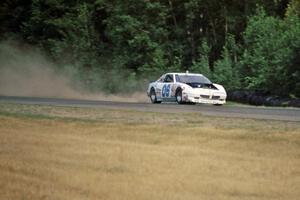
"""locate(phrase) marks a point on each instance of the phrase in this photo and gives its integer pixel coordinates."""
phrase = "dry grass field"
(88, 153)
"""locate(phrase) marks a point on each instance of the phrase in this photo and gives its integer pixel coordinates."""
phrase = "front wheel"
(178, 96)
(153, 97)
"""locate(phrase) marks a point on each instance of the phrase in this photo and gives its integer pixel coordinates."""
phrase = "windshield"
(192, 79)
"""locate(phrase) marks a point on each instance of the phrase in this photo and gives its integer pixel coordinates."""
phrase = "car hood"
(202, 85)
(214, 89)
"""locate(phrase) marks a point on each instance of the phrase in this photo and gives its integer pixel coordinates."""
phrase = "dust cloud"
(24, 71)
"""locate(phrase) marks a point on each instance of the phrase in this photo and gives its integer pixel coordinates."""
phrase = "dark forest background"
(118, 45)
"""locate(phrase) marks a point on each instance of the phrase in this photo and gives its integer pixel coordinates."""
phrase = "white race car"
(186, 88)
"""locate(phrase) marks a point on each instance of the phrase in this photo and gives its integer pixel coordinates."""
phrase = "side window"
(168, 79)
(177, 78)
(161, 79)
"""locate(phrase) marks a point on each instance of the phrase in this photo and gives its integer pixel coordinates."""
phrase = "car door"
(167, 86)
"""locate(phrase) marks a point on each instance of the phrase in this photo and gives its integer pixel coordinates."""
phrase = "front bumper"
(213, 99)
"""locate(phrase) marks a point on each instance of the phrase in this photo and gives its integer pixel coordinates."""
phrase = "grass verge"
(82, 153)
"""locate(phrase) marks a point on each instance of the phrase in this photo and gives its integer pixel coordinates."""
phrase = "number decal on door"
(166, 90)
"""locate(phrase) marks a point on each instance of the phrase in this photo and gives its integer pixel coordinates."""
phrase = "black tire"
(191, 103)
(178, 96)
(153, 97)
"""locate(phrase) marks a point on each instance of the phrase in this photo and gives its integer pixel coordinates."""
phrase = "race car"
(186, 88)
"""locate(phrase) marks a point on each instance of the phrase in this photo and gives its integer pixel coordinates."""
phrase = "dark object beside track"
(259, 98)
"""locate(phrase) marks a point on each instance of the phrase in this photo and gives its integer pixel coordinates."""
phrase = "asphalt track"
(283, 114)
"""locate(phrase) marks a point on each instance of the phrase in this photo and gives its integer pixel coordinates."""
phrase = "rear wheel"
(153, 97)
(178, 96)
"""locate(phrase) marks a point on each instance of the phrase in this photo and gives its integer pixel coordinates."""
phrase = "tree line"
(238, 43)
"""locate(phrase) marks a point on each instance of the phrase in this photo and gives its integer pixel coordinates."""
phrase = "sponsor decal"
(173, 90)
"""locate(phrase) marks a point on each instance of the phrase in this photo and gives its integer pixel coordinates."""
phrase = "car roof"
(187, 74)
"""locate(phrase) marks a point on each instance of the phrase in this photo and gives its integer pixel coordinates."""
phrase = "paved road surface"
(285, 114)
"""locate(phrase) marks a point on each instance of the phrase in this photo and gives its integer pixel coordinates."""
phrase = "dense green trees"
(271, 54)
(241, 44)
